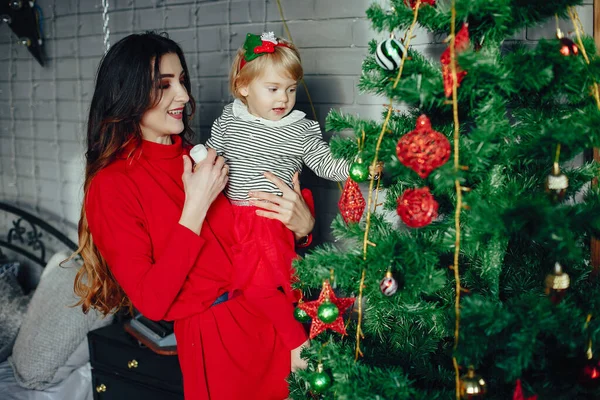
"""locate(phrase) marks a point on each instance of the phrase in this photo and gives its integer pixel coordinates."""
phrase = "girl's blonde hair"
(284, 57)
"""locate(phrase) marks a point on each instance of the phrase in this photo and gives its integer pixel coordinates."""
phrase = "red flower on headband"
(266, 47)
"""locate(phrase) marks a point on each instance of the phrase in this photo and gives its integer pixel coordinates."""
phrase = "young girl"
(260, 131)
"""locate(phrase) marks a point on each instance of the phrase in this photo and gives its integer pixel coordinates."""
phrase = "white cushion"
(50, 343)
(13, 305)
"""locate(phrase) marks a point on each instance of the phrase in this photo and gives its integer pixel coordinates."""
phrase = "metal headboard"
(26, 236)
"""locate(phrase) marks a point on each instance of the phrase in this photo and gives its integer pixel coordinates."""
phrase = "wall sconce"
(25, 20)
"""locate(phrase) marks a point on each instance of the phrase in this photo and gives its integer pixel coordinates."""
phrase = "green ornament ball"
(301, 315)
(359, 171)
(328, 312)
(320, 382)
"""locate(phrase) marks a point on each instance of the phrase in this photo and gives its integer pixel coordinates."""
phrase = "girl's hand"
(202, 186)
(297, 361)
(290, 209)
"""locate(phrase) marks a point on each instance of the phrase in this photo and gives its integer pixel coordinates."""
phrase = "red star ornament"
(460, 44)
(317, 326)
(518, 394)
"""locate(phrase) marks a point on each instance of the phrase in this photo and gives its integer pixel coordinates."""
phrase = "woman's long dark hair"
(127, 85)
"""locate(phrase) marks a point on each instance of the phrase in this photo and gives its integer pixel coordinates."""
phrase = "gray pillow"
(13, 305)
(45, 349)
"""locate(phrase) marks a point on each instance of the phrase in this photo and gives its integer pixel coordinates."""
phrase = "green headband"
(256, 46)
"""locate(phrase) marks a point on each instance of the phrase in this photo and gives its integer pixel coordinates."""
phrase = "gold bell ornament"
(557, 284)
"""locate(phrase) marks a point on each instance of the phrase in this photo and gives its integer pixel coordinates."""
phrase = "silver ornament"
(388, 285)
(389, 54)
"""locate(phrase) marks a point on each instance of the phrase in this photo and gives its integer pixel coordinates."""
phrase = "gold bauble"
(557, 184)
(557, 284)
(472, 386)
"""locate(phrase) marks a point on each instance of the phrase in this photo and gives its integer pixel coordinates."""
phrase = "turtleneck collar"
(240, 110)
(153, 150)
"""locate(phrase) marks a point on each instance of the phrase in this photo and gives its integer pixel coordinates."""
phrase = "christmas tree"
(488, 289)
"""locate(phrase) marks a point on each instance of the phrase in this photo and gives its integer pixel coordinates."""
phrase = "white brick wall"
(43, 110)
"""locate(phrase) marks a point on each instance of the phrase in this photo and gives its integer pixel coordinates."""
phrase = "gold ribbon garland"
(579, 32)
(589, 352)
(366, 242)
(458, 188)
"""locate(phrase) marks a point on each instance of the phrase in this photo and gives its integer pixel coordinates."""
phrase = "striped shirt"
(253, 145)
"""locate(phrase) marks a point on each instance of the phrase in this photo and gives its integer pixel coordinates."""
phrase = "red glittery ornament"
(311, 307)
(352, 203)
(413, 3)
(417, 207)
(461, 43)
(518, 394)
(568, 47)
(423, 149)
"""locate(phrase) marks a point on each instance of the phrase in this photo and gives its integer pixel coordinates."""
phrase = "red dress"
(266, 248)
(227, 352)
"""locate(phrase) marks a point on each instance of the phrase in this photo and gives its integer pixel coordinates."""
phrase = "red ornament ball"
(568, 47)
(423, 149)
(412, 3)
(417, 207)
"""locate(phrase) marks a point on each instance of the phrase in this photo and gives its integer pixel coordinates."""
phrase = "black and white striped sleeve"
(216, 137)
(317, 156)
(219, 130)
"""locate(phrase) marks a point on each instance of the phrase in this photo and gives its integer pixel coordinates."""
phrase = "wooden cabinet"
(124, 369)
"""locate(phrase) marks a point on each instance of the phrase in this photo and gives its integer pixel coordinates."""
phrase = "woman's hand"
(290, 209)
(202, 185)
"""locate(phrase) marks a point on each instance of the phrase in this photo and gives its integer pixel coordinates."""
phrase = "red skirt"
(265, 251)
(263, 270)
(240, 349)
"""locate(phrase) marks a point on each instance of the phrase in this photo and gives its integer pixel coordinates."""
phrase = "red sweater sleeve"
(118, 227)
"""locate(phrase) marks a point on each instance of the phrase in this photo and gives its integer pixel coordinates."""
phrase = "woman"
(156, 234)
